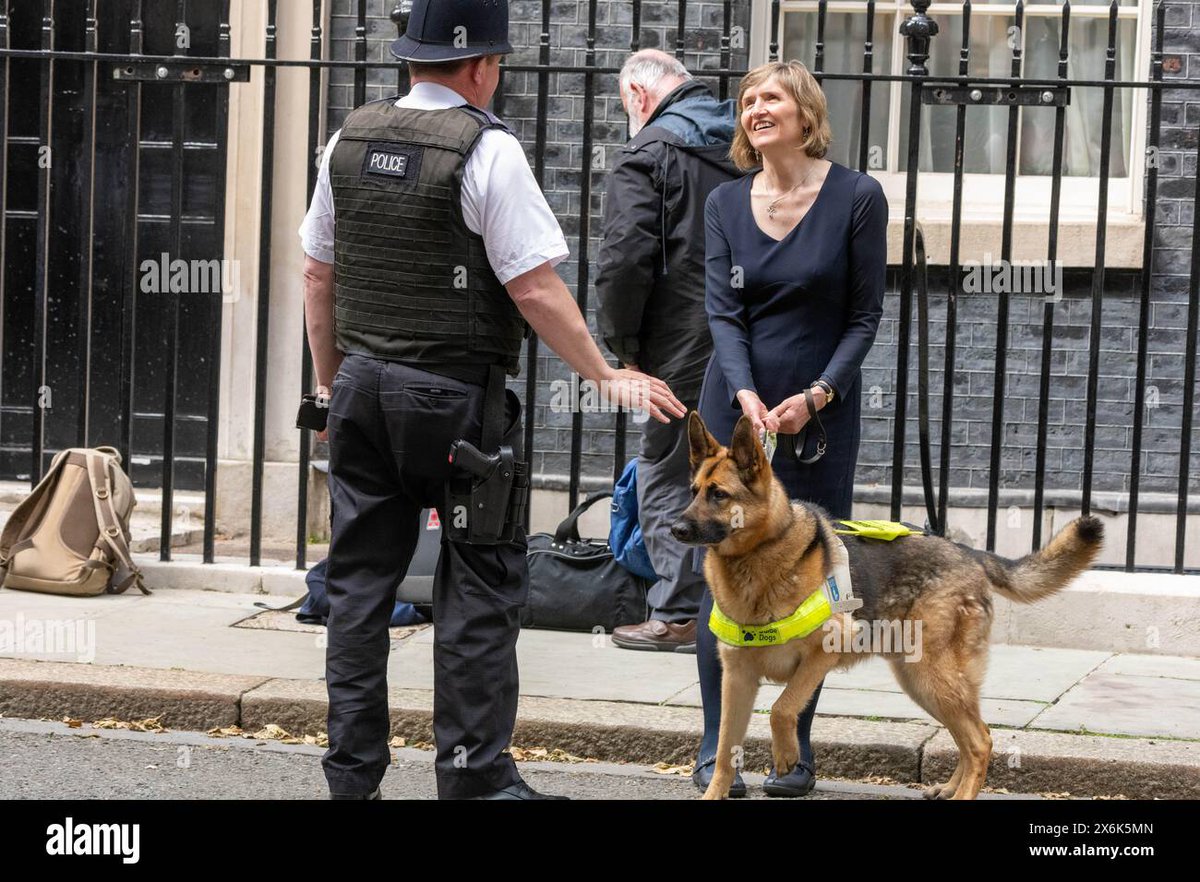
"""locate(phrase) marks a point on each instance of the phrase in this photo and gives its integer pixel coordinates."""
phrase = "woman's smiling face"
(771, 116)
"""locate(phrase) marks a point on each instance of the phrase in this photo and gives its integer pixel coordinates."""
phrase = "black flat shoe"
(520, 790)
(798, 782)
(702, 777)
(374, 794)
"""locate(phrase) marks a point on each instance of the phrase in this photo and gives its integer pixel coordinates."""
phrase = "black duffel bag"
(576, 584)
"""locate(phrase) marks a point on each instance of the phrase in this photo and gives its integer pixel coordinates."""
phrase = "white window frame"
(983, 194)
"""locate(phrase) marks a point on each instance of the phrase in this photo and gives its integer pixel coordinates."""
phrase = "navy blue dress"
(808, 308)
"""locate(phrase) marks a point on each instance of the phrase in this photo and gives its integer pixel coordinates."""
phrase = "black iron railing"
(121, 63)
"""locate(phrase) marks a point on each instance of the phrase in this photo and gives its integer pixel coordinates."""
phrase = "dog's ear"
(702, 445)
(747, 452)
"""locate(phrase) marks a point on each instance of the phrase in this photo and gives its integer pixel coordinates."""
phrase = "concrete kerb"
(1023, 761)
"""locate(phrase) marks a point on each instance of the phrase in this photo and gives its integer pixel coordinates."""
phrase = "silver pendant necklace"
(773, 206)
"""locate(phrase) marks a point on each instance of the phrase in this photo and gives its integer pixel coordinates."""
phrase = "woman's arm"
(726, 310)
(868, 270)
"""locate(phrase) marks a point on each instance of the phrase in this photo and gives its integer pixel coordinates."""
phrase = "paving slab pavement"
(208, 658)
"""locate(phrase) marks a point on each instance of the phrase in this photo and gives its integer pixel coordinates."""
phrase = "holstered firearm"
(488, 496)
(486, 508)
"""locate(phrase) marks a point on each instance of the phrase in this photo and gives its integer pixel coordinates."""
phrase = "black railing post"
(1150, 212)
(1060, 115)
(263, 294)
(1002, 304)
(171, 350)
(918, 29)
(1093, 383)
(315, 102)
(216, 311)
(585, 230)
(4, 70)
(41, 292)
(955, 283)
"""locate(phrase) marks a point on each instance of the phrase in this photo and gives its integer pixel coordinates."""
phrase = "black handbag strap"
(568, 530)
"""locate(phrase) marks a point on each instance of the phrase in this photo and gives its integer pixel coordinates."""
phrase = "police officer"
(416, 305)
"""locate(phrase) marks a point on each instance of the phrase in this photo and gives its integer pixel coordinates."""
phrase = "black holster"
(488, 493)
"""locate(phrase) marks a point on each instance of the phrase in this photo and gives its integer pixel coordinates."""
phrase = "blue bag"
(625, 533)
(315, 610)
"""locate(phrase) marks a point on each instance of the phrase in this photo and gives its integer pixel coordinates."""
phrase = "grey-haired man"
(650, 287)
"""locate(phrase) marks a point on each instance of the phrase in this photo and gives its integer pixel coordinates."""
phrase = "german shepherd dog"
(766, 554)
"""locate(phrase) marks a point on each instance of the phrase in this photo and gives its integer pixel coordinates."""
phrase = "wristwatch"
(826, 388)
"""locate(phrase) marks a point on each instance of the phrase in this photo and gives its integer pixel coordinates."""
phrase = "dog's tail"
(1050, 569)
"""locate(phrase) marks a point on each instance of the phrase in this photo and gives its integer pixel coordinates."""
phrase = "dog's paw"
(939, 791)
(785, 758)
(712, 793)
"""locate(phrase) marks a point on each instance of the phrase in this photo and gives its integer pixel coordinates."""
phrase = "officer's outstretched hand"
(638, 391)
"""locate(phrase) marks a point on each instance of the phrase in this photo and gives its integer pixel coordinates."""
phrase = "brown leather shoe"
(657, 636)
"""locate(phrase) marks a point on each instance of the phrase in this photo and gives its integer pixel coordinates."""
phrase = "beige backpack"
(70, 535)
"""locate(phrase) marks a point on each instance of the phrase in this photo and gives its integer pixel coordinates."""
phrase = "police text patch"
(381, 162)
(392, 160)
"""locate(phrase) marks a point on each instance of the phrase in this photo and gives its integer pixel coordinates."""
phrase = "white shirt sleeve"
(502, 202)
(316, 232)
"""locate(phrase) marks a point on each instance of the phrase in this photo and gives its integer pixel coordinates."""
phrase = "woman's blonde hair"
(797, 82)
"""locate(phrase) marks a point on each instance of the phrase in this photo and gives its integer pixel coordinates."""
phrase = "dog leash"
(792, 445)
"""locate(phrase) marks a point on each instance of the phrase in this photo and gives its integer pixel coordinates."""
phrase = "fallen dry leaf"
(668, 769)
(543, 755)
(226, 732)
(74, 724)
(153, 724)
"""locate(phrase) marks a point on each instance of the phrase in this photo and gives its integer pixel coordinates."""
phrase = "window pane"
(845, 34)
(1085, 113)
(986, 131)
(1058, 3)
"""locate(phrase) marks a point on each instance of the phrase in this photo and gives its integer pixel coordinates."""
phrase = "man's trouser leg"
(663, 494)
(374, 534)
(478, 590)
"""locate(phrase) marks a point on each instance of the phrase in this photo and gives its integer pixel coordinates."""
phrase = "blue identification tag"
(838, 588)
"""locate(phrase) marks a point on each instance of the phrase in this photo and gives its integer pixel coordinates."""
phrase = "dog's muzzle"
(685, 531)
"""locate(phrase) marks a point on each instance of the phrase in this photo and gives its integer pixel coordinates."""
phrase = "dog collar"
(809, 616)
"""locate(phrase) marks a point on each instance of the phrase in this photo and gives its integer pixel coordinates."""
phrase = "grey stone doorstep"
(1023, 761)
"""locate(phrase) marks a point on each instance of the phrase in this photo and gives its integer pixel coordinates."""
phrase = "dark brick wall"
(974, 392)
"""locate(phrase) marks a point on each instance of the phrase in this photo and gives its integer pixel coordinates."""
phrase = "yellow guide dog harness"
(834, 595)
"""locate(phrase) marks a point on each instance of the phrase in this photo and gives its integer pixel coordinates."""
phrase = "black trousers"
(390, 430)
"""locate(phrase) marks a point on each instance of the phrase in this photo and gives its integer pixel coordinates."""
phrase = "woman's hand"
(753, 408)
(791, 414)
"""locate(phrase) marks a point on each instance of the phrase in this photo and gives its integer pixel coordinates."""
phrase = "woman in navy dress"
(796, 259)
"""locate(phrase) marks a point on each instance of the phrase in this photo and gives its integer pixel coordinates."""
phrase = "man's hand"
(323, 393)
(638, 391)
(791, 414)
(547, 305)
